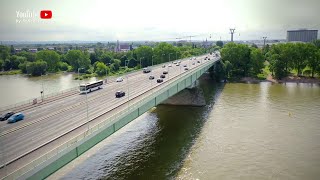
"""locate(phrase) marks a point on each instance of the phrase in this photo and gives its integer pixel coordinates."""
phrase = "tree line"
(302, 58)
(101, 62)
(240, 60)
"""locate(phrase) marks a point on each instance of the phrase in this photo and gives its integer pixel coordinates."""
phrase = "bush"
(63, 66)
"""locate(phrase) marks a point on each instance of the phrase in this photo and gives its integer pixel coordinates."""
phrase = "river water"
(19, 88)
(246, 131)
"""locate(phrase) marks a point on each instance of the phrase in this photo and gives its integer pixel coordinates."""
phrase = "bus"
(88, 87)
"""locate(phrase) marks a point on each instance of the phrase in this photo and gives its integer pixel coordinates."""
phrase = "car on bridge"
(4, 117)
(163, 66)
(165, 72)
(16, 117)
(159, 80)
(186, 69)
(162, 76)
(198, 61)
(193, 63)
(146, 70)
(178, 64)
(169, 65)
(119, 79)
(120, 94)
(185, 65)
(151, 77)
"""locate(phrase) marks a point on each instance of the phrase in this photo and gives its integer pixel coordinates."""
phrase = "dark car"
(165, 72)
(162, 76)
(185, 65)
(151, 77)
(186, 69)
(198, 61)
(120, 94)
(159, 80)
(6, 116)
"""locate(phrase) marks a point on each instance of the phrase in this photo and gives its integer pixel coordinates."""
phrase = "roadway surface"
(54, 119)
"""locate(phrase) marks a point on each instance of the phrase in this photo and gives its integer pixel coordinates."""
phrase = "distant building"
(91, 50)
(302, 35)
(122, 47)
(206, 44)
(33, 50)
(17, 50)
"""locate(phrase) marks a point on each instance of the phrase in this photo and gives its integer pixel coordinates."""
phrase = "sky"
(155, 20)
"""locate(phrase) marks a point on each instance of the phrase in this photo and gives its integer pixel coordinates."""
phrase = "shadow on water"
(161, 154)
(153, 147)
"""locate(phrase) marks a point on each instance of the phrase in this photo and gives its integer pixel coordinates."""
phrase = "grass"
(12, 72)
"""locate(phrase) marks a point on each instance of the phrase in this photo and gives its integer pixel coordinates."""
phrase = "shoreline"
(288, 79)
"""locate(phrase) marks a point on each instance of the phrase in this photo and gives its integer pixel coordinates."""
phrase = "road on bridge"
(63, 117)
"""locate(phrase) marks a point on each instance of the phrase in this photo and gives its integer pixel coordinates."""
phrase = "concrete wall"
(55, 163)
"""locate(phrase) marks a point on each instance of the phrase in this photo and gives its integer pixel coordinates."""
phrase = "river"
(20, 88)
(246, 131)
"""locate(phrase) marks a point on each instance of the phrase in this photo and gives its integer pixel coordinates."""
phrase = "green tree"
(115, 65)
(31, 57)
(256, 61)
(16, 60)
(63, 66)
(7, 65)
(313, 58)
(51, 57)
(144, 53)
(77, 59)
(23, 67)
(101, 69)
(36, 68)
(239, 56)
(132, 63)
(219, 43)
(106, 58)
(228, 67)
(1, 64)
(4, 52)
(300, 61)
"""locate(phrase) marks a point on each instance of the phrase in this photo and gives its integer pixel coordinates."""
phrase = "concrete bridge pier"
(191, 96)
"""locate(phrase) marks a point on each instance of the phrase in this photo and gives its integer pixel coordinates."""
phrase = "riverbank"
(289, 79)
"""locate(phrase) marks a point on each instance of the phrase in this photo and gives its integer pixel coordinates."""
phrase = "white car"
(169, 65)
(179, 61)
(163, 66)
(119, 79)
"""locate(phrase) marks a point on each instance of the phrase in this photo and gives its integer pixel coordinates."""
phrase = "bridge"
(63, 127)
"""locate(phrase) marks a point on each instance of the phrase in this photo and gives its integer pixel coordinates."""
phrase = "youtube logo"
(45, 14)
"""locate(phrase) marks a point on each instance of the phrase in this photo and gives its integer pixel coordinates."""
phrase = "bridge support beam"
(191, 96)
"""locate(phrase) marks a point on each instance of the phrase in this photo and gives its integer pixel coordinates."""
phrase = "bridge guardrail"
(95, 129)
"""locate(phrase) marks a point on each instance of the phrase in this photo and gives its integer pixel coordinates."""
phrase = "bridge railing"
(75, 141)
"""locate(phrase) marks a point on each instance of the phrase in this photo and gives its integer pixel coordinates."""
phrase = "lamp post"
(128, 90)
(151, 71)
(86, 98)
(140, 62)
(168, 65)
(42, 92)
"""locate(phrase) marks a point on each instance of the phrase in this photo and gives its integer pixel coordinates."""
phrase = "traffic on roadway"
(41, 124)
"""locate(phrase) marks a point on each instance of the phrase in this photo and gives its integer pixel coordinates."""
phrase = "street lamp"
(79, 75)
(86, 98)
(168, 65)
(42, 92)
(140, 62)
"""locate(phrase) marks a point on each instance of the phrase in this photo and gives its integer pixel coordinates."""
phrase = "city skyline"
(141, 20)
